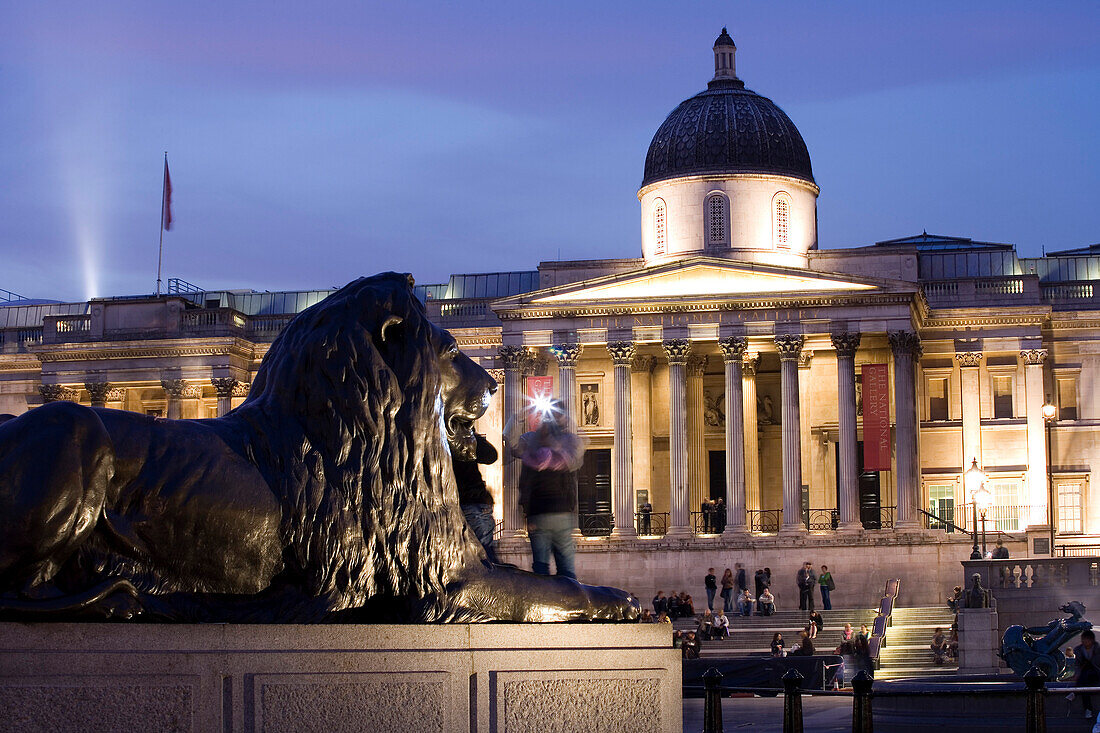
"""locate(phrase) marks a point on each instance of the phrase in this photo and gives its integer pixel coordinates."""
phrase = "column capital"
(566, 354)
(622, 352)
(174, 387)
(57, 393)
(905, 343)
(804, 358)
(789, 346)
(98, 390)
(1033, 357)
(497, 375)
(116, 394)
(733, 348)
(969, 358)
(846, 343)
(224, 386)
(643, 363)
(677, 351)
(696, 365)
(513, 356)
(749, 364)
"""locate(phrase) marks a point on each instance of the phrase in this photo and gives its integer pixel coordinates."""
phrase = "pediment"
(706, 279)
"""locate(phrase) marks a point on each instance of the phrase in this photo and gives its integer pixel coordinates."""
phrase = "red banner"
(876, 417)
(539, 391)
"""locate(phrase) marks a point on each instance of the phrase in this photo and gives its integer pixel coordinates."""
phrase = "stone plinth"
(490, 677)
(979, 641)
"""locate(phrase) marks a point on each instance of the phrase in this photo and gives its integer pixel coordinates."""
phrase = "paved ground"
(765, 714)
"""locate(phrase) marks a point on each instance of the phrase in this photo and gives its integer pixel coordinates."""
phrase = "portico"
(723, 347)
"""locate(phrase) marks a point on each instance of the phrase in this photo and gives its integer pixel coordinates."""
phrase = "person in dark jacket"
(473, 495)
(550, 455)
(1087, 656)
(742, 581)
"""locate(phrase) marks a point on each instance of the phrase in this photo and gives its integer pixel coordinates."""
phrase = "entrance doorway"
(870, 495)
(594, 493)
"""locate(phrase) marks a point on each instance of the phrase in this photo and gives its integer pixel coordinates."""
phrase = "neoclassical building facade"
(745, 396)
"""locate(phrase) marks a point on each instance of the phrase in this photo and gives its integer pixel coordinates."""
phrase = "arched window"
(781, 217)
(717, 220)
(660, 228)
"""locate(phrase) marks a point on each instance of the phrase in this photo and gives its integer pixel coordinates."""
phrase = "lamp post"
(973, 481)
(1050, 416)
(983, 500)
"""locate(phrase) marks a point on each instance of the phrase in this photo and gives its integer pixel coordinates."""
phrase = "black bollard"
(712, 702)
(1036, 720)
(862, 720)
(792, 701)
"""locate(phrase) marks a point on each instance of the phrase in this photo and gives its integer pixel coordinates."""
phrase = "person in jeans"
(710, 582)
(550, 455)
(473, 495)
(825, 581)
(766, 603)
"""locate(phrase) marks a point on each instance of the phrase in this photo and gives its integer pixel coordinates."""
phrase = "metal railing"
(821, 520)
(884, 520)
(651, 524)
(1078, 550)
(176, 286)
(764, 520)
(7, 296)
(596, 524)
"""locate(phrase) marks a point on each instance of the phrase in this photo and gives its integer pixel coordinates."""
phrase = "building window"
(782, 218)
(660, 230)
(1006, 514)
(937, 399)
(941, 505)
(1067, 398)
(717, 221)
(1069, 507)
(1002, 397)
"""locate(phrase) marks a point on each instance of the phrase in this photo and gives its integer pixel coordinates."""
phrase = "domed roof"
(727, 129)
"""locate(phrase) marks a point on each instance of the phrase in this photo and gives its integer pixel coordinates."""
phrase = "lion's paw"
(612, 604)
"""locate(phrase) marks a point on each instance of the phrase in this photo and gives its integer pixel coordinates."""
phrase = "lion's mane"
(347, 426)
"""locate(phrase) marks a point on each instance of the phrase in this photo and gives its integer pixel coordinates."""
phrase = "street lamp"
(1050, 416)
(973, 482)
(982, 501)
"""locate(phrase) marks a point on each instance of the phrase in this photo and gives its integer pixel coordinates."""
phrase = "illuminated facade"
(733, 359)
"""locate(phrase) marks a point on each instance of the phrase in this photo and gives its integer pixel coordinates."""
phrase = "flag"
(166, 205)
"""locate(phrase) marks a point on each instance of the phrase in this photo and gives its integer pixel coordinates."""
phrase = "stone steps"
(907, 652)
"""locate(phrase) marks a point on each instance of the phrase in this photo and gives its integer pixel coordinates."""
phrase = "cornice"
(19, 363)
(98, 351)
(713, 177)
(957, 317)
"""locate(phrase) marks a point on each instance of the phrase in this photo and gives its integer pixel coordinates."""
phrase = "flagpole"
(160, 248)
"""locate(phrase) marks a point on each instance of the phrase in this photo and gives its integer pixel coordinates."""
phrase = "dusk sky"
(311, 143)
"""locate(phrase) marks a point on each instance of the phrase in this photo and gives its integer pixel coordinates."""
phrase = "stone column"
(641, 379)
(848, 479)
(513, 358)
(678, 351)
(907, 349)
(174, 389)
(98, 392)
(789, 347)
(622, 453)
(224, 386)
(969, 361)
(697, 454)
(753, 500)
(567, 355)
(733, 353)
(1037, 489)
(805, 418)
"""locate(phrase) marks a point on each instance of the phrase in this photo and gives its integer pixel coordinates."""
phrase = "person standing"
(806, 580)
(727, 591)
(825, 580)
(710, 582)
(660, 603)
(473, 495)
(742, 582)
(550, 455)
(1001, 553)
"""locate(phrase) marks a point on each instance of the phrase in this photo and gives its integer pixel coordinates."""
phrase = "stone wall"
(928, 564)
(455, 677)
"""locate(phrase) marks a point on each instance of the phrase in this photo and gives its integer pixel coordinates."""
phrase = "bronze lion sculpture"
(327, 496)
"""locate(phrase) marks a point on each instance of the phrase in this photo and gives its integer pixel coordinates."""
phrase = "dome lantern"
(724, 57)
